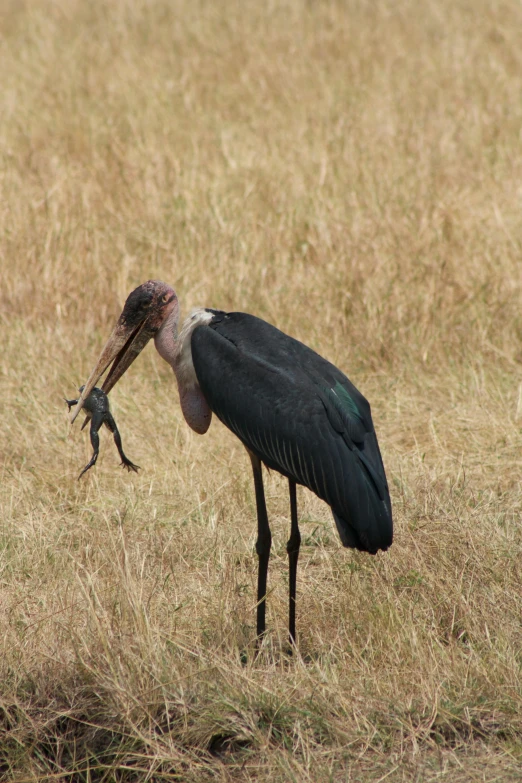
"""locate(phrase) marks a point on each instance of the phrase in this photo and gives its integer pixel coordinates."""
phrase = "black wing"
(301, 416)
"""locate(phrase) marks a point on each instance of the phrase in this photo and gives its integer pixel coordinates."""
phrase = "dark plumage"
(299, 415)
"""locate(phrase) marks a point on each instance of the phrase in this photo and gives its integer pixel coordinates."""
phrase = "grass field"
(350, 171)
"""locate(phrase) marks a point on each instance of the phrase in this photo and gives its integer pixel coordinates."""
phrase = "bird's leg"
(263, 544)
(292, 547)
(96, 422)
(125, 461)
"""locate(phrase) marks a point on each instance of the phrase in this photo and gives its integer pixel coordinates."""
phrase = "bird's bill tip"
(112, 348)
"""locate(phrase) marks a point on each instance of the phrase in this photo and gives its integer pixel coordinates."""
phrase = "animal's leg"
(263, 544)
(71, 404)
(96, 422)
(125, 461)
(292, 547)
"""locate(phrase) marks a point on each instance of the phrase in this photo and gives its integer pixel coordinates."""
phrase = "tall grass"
(351, 172)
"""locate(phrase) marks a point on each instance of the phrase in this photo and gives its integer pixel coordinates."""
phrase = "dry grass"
(351, 172)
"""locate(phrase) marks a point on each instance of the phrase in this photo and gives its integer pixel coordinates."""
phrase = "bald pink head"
(147, 311)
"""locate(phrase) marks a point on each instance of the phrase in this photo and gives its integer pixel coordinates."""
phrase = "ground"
(351, 172)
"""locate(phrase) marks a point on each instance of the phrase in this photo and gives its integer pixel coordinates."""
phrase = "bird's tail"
(376, 535)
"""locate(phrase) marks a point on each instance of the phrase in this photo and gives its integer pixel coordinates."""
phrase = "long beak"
(122, 347)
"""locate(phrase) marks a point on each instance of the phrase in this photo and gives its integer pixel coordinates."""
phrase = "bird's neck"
(176, 350)
(175, 347)
(166, 338)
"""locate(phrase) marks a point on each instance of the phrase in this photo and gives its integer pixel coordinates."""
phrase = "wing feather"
(301, 416)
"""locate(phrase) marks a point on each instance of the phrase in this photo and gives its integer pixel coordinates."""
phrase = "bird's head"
(148, 308)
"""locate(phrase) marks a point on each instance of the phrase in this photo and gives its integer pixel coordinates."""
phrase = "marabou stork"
(292, 410)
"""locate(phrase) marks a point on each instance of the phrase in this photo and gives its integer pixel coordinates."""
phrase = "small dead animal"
(97, 406)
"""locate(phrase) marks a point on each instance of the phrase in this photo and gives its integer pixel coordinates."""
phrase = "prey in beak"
(97, 404)
(146, 310)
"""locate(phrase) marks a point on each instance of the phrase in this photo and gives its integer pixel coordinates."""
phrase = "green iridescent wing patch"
(347, 401)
